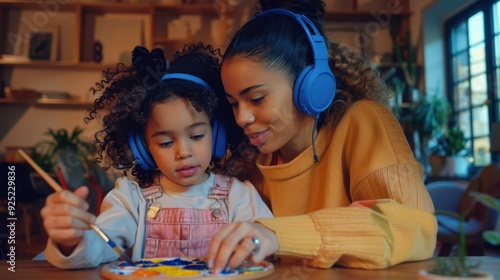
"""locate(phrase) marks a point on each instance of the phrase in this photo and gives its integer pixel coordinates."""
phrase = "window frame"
(493, 104)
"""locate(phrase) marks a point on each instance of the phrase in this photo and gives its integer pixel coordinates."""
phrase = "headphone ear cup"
(141, 153)
(314, 89)
(219, 141)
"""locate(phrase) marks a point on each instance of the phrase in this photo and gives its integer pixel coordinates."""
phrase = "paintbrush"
(56, 187)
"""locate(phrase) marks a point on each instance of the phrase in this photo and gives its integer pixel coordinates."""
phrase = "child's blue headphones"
(139, 147)
(315, 86)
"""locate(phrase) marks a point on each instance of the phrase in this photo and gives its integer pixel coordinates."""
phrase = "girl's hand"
(233, 244)
(65, 218)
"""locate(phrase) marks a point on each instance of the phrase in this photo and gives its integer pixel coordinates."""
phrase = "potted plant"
(458, 267)
(448, 146)
(44, 151)
(425, 119)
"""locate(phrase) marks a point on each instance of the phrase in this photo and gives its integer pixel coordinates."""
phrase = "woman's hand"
(233, 244)
(65, 218)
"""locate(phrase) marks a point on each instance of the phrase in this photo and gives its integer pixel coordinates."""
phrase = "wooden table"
(28, 269)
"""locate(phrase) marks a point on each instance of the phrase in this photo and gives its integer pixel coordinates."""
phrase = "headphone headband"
(186, 77)
(315, 38)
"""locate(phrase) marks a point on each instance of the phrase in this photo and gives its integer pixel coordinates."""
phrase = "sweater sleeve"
(118, 220)
(368, 234)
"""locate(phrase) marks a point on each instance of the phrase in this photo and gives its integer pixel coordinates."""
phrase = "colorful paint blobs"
(180, 268)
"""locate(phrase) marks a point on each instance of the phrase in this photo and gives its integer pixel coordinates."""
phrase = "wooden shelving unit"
(156, 14)
(155, 17)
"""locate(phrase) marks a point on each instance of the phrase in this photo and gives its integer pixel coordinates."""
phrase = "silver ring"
(256, 242)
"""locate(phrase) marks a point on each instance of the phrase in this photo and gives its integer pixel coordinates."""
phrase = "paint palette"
(180, 268)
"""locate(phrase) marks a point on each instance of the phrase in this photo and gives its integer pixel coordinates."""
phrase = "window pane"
(477, 60)
(460, 66)
(481, 121)
(496, 15)
(462, 95)
(476, 29)
(459, 38)
(478, 90)
(464, 123)
(482, 151)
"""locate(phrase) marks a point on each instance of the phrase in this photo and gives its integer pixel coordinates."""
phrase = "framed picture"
(43, 44)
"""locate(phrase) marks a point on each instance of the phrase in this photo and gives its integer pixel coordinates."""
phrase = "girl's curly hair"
(129, 92)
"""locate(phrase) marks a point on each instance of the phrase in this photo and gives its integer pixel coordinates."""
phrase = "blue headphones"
(315, 86)
(140, 150)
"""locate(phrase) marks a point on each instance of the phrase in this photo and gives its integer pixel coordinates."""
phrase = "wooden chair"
(451, 196)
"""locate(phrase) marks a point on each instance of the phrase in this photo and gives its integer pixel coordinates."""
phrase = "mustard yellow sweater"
(363, 205)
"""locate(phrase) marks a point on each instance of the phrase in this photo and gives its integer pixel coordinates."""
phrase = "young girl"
(332, 160)
(172, 130)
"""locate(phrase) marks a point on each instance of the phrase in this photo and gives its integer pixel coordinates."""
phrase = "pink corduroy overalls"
(186, 232)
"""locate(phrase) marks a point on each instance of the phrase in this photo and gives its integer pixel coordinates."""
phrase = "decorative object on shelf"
(43, 44)
(22, 94)
(97, 57)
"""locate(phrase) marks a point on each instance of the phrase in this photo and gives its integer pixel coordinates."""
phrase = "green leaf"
(487, 200)
(492, 237)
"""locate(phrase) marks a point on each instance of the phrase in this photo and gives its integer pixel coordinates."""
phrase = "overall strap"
(154, 191)
(221, 187)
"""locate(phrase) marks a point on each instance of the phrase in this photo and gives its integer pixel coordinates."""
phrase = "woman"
(332, 162)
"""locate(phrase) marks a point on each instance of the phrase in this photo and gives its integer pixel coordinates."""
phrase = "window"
(473, 63)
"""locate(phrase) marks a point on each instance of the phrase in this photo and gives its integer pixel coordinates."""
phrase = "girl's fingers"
(66, 210)
(76, 199)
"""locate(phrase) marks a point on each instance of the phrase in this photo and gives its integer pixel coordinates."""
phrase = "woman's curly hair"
(275, 42)
(128, 93)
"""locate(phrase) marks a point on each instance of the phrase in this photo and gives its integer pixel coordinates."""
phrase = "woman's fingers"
(222, 246)
(236, 242)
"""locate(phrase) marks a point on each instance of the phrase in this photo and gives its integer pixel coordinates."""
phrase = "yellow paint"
(174, 271)
(145, 273)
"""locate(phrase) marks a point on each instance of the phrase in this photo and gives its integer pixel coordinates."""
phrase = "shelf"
(61, 103)
(58, 65)
(124, 8)
(34, 5)
(186, 9)
(117, 8)
(353, 15)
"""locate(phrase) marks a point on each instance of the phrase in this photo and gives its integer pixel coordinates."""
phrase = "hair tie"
(146, 62)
